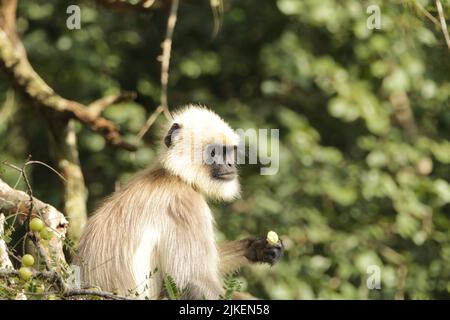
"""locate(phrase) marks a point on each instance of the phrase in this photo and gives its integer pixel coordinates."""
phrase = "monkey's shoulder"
(183, 203)
(166, 187)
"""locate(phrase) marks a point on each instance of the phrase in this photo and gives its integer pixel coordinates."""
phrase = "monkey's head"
(200, 148)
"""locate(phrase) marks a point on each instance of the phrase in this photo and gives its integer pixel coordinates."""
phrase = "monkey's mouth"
(226, 176)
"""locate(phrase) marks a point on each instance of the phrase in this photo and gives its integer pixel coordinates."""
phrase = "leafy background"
(352, 189)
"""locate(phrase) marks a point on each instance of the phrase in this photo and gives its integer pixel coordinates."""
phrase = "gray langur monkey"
(160, 220)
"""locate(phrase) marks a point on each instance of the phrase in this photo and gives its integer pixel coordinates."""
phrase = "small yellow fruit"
(36, 224)
(27, 260)
(272, 238)
(25, 273)
(46, 233)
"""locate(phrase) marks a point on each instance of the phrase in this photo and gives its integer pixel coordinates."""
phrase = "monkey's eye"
(213, 152)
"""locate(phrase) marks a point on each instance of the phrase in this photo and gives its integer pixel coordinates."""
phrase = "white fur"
(148, 282)
(199, 128)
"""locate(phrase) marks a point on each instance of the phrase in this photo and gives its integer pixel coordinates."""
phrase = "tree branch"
(443, 23)
(165, 64)
(12, 202)
(98, 106)
(15, 202)
(60, 113)
(165, 59)
(14, 60)
(135, 5)
(426, 13)
(65, 153)
(5, 262)
(63, 288)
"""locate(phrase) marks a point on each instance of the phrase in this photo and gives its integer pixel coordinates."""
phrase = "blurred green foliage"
(352, 190)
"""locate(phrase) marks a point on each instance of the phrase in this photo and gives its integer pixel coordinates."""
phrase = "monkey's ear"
(169, 136)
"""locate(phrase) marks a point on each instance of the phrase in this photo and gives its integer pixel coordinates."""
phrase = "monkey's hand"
(259, 250)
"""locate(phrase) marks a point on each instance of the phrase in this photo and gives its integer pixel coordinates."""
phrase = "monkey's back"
(122, 241)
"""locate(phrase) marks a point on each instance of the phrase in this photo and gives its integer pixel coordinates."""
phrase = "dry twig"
(97, 107)
(426, 13)
(440, 11)
(137, 5)
(165, 64)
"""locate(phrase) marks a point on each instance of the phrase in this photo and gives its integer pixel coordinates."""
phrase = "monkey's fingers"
(272, 253)
(260, 250)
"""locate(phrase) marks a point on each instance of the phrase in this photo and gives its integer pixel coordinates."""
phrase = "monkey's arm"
(236, 254)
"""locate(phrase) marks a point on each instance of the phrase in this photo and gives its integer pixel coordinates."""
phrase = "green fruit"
(25, 273)
(40, 288)
(27, 260)
(35, 287)
(46, 233)
(36, 224)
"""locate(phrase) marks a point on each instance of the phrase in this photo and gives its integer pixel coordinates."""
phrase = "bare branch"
(27, 182)
(8, 19)
(165, 65)
(64, 141)
(443, 23)
(45, 165)
(5, 262)
(150, 121)
(42, 253)
(97, 107)
(135, 5)
(97, 293)
(426, 13)
(165, 59)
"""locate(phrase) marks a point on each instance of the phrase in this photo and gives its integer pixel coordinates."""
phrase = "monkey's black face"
(221, 161)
